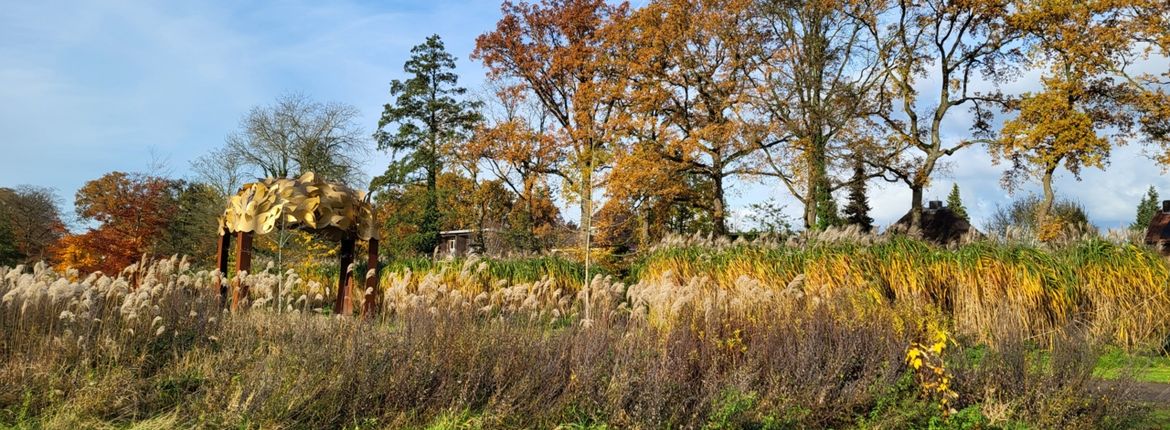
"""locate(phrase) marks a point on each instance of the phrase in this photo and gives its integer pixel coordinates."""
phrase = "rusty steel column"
(373, 297)
(343, 305)
(243, 264)
(221, 264)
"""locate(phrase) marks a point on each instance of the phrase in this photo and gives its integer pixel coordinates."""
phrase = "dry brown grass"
(151, 346)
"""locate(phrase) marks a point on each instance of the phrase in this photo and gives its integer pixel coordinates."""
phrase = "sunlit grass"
(1121, 292)
(1115, 363)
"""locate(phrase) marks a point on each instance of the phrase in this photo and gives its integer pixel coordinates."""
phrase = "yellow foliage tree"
(1089, 102)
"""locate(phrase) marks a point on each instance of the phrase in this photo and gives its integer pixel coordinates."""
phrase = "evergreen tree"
(1146, 210)
(429, 115)
(857, 210)
(827, 215)
(9, 255)
(955, 203)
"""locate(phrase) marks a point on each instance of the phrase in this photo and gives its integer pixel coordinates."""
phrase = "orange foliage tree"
(689, 64)
(516, 146)
(131, 213)
(559, 50)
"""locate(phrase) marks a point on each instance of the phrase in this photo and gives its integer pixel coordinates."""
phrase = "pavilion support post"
(373, 297)
(343, 305)
(243, 264)
(221, 264)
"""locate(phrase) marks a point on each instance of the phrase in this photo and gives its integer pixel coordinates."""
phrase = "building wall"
(461, 244)
(493, 244)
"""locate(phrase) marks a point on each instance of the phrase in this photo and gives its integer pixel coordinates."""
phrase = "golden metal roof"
(306, 203)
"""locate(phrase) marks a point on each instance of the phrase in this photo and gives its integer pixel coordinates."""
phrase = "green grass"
(1115, 363)
(1155, 419)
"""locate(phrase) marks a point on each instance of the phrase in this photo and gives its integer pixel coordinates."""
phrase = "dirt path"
(1151, 392)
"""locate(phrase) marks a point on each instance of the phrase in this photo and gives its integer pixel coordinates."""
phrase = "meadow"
(835, 330)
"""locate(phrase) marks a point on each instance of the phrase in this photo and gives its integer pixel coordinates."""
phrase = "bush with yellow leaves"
(931, 372)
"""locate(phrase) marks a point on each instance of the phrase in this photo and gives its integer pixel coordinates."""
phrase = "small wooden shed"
(453, 244)
(461, 243)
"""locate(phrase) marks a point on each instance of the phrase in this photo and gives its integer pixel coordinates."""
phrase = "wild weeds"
(682, 349)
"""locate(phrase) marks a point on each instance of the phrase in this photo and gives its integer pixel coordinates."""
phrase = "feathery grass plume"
(1116, 288)
(748, 332)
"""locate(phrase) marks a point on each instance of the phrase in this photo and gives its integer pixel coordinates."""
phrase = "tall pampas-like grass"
(737, 335)
(1119, 290)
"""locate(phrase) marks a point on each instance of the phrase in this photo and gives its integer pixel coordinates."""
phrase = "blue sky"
(91, 87)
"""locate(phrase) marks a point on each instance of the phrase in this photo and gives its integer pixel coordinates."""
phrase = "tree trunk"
(586, 202)
(810, 207)
(644, 229)
(430, 221)
(817, 181)
(1049, 197)
(916, 205)
(587, 224)
(719, 206)
(530, 217)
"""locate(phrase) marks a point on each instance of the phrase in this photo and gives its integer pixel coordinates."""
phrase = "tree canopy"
(430, 118)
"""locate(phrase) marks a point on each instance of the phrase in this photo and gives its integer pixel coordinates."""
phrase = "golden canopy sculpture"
(333, 210)
(305, 203)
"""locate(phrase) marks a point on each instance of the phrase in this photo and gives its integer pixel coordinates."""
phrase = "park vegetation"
(653, 307)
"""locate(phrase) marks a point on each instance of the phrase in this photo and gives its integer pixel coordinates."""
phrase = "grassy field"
(824, 333)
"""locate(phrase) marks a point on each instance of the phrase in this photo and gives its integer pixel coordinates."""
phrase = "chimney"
(1165, 206)
(935, 205)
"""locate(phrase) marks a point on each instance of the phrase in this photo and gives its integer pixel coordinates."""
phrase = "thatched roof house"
(939, 224)
(1158, 233)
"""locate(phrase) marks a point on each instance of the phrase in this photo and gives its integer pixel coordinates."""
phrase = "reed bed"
(456, 347)
(1120, 291)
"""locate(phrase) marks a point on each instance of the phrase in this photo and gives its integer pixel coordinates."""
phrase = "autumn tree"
(464, 204)
(1089, 102)
(292, 136)
(813, 88)
(560, 51)
(31, 222)
(428, 114)
(130, 213)
(1146, 210)
(517, 146)
(483, 204)
(955, 44)
(619, 227)
(689, 64)
(657, 195)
